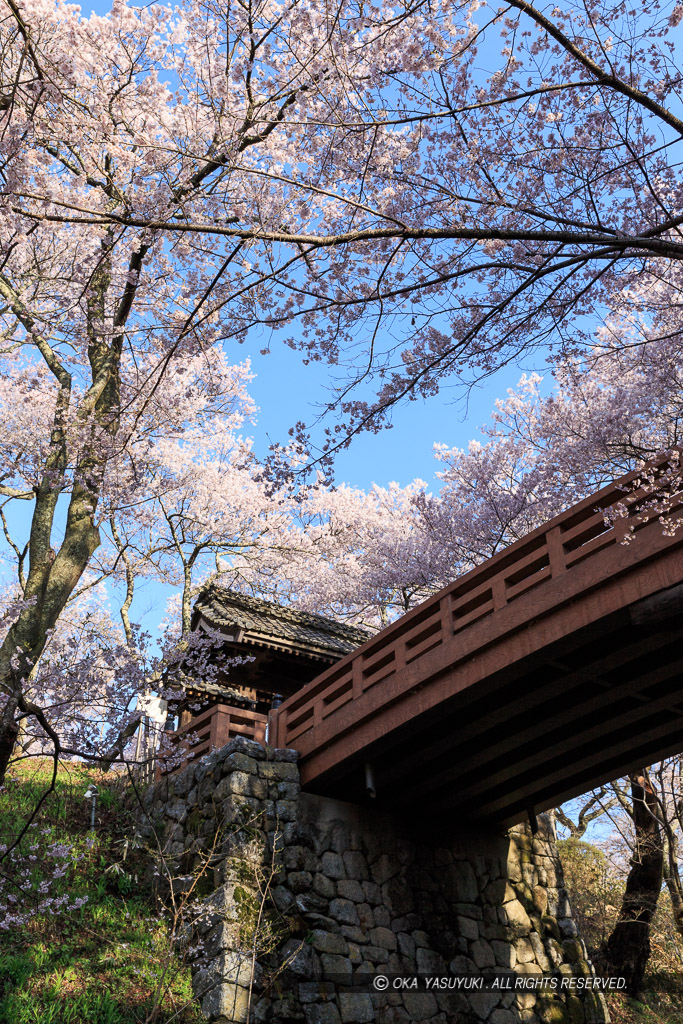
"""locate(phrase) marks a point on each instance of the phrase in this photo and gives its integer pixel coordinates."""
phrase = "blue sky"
(287, 391)
(400, 453)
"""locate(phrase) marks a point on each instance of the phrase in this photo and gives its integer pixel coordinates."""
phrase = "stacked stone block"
(354, 894)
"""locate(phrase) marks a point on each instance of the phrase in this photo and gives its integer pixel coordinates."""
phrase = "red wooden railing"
(210, 731)
(568, 540)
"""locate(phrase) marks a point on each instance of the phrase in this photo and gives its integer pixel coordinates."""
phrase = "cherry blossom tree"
(364, 556)
(182, 490)
(187, 498)
(413, 192)
(545, 449)
(410, 193)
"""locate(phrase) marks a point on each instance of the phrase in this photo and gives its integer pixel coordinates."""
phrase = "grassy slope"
(655, 1008)
(109, 961)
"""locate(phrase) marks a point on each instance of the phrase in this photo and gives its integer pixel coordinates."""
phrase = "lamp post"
(91, 794)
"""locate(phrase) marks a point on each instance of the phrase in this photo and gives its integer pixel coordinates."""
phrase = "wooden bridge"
(552, 667)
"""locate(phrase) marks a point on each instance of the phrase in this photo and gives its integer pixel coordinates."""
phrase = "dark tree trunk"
(8, 736)
(628, 947)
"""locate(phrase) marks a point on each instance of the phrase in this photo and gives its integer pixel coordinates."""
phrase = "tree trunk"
(628, 947)
(672, 876)
(9, 730)
(676, 905)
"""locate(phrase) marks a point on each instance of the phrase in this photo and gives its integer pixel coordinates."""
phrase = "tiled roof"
(214, 689)
(252, 621)
(181, 681)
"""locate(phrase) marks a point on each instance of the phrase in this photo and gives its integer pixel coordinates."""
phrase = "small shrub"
(109, 959)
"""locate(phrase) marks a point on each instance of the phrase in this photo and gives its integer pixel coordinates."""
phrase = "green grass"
(108, 961)
(652, 1008)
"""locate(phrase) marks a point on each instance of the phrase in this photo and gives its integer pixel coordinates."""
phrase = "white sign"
(153, 707)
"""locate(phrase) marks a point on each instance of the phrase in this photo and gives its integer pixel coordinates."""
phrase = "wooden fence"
(571, 539)
(210, 731)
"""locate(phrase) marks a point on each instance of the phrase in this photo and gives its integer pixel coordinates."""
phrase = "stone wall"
(352, 894)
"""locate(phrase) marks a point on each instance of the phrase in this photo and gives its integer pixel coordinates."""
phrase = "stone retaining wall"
(353, 893)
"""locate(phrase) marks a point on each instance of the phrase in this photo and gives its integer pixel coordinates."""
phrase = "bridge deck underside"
(572, 685)
(547, 670)
(601, 702)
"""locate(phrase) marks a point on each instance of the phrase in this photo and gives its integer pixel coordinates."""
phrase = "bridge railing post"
(357, 678)
(498, 592)
(555, 548)
(279, 727)
(446, 612)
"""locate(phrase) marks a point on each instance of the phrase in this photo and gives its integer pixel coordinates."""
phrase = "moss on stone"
(551, 927)
(575, 1008)
(524, 893)
(551, 1011)
(195, 820)
(573, 952)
